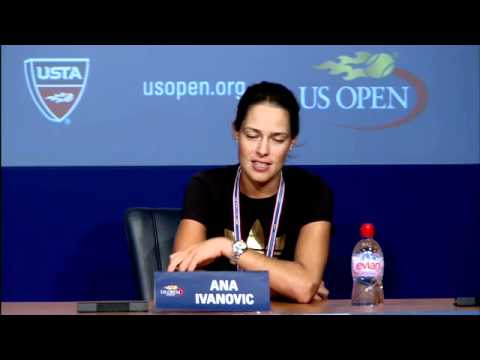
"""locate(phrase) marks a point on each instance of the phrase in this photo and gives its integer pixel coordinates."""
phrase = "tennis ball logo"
(379, 65)
(364, 64)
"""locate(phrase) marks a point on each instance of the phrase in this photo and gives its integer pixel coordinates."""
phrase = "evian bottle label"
(367, 264)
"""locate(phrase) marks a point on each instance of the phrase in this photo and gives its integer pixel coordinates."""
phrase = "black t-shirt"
(208, 199)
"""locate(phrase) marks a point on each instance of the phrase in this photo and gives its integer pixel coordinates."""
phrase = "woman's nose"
(263, 147)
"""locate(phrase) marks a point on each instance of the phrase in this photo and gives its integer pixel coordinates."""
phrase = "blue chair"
(150, 233)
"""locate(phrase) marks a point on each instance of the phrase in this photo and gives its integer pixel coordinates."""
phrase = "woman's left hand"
(200, 254)
(322, 292)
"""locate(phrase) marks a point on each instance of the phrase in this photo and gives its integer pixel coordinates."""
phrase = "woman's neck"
(258, 190)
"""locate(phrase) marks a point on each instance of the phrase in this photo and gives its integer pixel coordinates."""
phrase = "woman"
(260, 215)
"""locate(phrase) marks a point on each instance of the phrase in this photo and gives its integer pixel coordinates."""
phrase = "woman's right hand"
(199, 255)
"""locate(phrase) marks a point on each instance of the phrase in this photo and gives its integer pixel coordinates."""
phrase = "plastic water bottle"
(367, 269)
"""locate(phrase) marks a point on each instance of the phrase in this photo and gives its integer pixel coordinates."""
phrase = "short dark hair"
(270, 93)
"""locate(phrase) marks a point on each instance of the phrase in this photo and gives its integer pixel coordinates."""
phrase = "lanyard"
(276, 212)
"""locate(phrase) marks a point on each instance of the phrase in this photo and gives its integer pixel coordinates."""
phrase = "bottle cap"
(367, 230)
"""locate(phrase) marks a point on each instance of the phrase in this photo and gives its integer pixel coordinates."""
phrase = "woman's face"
(264, 141)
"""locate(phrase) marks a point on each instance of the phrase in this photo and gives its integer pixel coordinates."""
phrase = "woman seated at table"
(260, 215)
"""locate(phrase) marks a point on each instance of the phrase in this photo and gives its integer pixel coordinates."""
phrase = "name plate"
(212, 291)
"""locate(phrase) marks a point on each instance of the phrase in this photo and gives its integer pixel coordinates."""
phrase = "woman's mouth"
(260, 166)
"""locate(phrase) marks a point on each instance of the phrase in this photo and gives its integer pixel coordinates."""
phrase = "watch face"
(239, 246)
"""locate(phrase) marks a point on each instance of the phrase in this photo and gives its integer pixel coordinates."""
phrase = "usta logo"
(59, 72)
(56, 85)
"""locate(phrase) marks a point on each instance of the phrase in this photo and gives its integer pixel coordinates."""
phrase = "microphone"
(112, 306)
(467, 301)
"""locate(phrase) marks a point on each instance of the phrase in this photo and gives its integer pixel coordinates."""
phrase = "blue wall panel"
(63, 233)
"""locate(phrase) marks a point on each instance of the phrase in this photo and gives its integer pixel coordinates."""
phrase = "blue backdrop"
(89, 131)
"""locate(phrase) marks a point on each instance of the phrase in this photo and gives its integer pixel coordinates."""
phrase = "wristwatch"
(238, 247)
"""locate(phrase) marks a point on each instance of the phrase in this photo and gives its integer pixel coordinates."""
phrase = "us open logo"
(56, 85)
(172, 290)
(374, 91)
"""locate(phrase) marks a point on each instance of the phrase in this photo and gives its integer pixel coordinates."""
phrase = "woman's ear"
(292, 144)
(235, 133)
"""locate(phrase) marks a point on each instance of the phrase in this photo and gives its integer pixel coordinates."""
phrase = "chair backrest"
(150, 233)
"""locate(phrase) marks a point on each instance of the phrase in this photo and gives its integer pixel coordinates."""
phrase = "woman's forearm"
(288, 278)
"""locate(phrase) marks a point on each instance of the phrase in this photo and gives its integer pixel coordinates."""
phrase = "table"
(328, 307)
